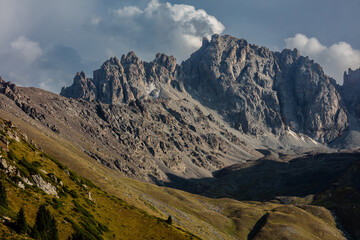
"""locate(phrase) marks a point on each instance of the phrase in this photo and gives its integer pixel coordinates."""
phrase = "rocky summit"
(254, 89)
(258, 90)
(125, 80)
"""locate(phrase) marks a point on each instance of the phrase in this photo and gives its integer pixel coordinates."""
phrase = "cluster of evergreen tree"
(44, 227)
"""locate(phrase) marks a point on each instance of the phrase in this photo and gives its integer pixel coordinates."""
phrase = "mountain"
(234, 120)
(260, 91)
(30, 179)
(230, 102)
(125, 80)
(254, 89)
(350, 94)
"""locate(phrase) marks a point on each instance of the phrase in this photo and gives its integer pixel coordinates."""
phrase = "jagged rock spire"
(125, 80)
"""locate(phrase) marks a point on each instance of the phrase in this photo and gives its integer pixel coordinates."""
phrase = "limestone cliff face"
(125, 80)
(254, 89)
(350, 91)
(309, 100)
(258, 90)
(235, 78)
(352, 80)
(82, 88)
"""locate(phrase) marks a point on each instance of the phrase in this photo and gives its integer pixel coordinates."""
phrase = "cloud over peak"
(164, 27)
(43, 48)
(334, 59)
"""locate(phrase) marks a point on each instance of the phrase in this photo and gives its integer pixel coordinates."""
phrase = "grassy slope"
(207, 218)
(123, 220)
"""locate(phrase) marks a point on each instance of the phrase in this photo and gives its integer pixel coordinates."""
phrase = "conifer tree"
(169, 220)
(45, 225)
(3, 199)
(20, 224)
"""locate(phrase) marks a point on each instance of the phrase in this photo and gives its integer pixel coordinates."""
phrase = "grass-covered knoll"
(81, 208)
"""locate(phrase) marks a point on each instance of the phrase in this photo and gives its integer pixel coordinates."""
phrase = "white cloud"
(29, 50)
(334, 59)
(128, 11)
(164, 27)
(71, 36)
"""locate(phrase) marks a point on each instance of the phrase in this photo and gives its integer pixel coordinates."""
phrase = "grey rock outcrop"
(260, 91)
(81, 88)
(350, 91)
(43, 185)
(255, 89)
(352, 79)
(125, 80)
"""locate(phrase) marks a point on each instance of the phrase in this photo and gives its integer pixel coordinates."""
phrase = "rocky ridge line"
(256, 90)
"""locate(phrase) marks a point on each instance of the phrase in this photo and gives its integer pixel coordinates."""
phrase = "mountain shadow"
(267, 179)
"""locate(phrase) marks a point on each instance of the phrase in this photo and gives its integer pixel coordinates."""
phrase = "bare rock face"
(352, 79)
(125, 80)
(235, 78)
(82, 88)
(43, 185)
(258, 90)
(309, 100)
(350, 91)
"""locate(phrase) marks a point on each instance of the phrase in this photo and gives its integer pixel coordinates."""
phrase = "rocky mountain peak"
(256, 90)
(130, 58)
(113, 61)
(80, 77)
(125, 80)
(169, 62)
(352, 79)
(288, 56)
(350, 91)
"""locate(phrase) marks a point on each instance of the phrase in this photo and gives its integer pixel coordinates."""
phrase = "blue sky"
(44, 43)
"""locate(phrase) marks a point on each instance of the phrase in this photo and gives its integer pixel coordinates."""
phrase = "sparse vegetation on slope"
(62, 203)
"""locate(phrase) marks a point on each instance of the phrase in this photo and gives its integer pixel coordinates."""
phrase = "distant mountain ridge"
(255, 89)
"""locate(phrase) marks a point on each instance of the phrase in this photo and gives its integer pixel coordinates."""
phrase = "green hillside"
(77, 205)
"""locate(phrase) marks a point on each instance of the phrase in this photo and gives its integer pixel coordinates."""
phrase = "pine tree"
(3, 199)
(20, 224)
(45, 225)
(169, 220)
